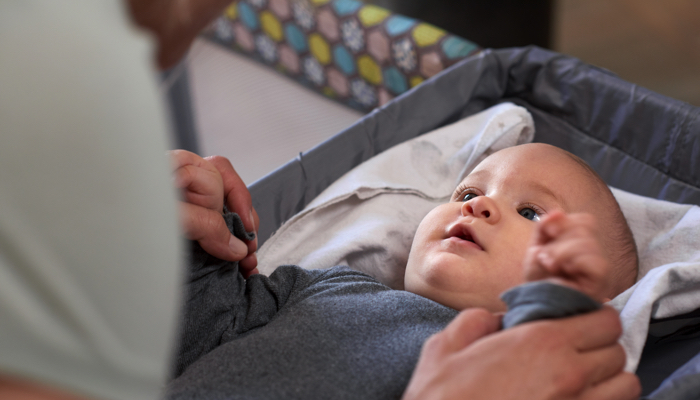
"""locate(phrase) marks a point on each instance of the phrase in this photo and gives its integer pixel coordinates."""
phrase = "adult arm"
(571, 358)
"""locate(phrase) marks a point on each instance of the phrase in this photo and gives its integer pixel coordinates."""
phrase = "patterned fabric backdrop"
(360, 55)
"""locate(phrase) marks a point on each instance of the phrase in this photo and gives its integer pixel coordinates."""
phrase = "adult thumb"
(209, 228)
(469, 326)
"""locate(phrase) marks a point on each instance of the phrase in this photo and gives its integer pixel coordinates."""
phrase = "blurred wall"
(653, 43)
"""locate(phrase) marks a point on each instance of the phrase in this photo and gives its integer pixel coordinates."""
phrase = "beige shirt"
(89, 244)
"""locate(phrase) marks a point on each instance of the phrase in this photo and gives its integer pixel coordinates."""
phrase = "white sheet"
(668, 242)
(357, 220)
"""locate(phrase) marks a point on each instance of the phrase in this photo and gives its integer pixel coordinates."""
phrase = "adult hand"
(571, 358)
(238, 200)
(175, 23)
(207, 184)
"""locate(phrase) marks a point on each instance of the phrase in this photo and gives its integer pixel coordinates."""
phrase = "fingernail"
(237, 246)
(252, 220)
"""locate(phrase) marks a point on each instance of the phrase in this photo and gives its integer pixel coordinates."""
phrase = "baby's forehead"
(538, 168)
(546, 155)
(526, 160)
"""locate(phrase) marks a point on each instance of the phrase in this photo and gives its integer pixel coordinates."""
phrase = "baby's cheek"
(513, 273)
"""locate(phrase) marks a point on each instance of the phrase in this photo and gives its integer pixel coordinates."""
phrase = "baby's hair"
(622, 247)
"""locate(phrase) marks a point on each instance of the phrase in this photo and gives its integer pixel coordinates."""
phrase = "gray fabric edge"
(684, 384)
(616, 167)
(538, 300)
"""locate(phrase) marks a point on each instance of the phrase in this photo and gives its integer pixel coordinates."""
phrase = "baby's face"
(468, 251)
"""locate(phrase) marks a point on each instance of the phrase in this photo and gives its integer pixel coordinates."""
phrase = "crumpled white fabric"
(668, 243)
(368, 217)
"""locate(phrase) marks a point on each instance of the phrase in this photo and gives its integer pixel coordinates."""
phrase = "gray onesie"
(305, 334)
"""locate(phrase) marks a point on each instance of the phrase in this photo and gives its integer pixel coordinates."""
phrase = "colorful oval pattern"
(360, 55)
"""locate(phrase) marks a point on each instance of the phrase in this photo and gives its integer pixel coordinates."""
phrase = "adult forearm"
(17, 389)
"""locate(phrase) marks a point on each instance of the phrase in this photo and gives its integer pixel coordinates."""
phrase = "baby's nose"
(481, 207)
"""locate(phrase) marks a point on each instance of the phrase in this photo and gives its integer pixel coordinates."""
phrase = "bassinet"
(637, 140)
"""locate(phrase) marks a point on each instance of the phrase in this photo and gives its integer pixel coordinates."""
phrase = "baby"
(525, 213)
(530, 212)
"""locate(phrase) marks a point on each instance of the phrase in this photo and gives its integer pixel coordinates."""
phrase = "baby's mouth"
(464, 233)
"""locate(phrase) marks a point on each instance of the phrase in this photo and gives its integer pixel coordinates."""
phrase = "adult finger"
(248, 264)
(180, 158)
(247, 273)
(201, 179)
(602, 364)
(208, 227)
(623, 386)
(438, 369)
(238, 199)
(465, 329)
(203, 187)
(577, 330)
(256, 220)
(253, 244)
(237, 196)
(195, 178)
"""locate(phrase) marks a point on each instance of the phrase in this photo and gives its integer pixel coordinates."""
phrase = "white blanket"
(368, 217)
(668, 242)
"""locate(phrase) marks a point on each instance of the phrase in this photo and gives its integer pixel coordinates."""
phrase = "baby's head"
(468, 251)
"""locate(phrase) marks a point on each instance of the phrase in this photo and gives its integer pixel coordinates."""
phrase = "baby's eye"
(529, 213)
(467, 196)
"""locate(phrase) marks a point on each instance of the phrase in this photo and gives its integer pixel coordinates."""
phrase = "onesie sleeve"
(543, 300)
(221, 305)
